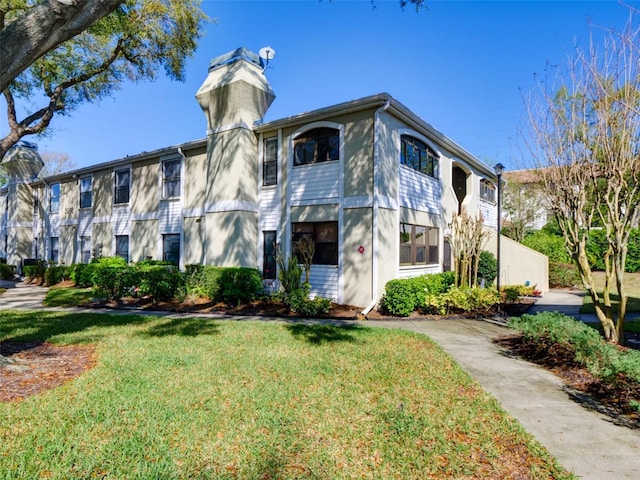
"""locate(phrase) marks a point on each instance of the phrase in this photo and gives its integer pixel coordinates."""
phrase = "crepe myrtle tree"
(130, 42)
(585, 141)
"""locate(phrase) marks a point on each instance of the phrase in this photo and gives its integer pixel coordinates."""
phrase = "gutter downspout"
(182, 168)
(376, 202)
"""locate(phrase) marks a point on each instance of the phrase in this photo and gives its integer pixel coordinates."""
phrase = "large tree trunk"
(42, 29)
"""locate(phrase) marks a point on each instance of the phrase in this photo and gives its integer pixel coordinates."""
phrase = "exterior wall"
(357, 255)
(520, 264)
(143, 241)
(103, 193)
(195, 240)
(145, 188)
(231, 239)
(102, 239)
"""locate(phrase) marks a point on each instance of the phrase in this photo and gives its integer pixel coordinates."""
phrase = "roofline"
(202, 142)
(396, 108)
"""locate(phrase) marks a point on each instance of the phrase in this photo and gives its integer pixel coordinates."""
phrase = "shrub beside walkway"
(585, 442)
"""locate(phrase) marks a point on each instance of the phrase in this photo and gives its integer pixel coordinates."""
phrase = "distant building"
(372, 184)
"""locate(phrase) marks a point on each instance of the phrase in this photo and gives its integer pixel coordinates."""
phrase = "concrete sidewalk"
(584, 441)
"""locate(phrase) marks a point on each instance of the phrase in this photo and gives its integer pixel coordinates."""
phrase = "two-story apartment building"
(371, 183)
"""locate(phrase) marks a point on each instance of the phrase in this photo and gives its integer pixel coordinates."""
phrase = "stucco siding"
(102, 193)
(231, 239)
(144, 241)
(145, 187)
(357, 255)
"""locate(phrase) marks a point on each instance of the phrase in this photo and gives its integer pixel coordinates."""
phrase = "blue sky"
(460, 65)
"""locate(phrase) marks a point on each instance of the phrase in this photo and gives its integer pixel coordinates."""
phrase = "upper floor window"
(487, 191)
(54, 198)
(121, 186)
(171, 178)
(324, 236)
(317, 145)
(419, 156)
(270, 162)
(418, 244)
(86, 192)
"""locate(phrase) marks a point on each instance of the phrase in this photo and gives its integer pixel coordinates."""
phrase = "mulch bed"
(612, 399)
(38, 366)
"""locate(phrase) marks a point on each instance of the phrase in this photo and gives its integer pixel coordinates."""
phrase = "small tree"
(305, 249)
(468, 236)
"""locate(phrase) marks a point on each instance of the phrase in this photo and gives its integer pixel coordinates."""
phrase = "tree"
(131, 43)
(41, 27)
(521, 205)
(54, 163)
(468, 236)
(585, 133)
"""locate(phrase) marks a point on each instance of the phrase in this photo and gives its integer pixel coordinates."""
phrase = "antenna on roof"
(266, 54)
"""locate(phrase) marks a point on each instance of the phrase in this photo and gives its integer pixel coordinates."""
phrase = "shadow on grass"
(184, 327)
(633, 304)
(38, 325)
(68, 297)
(318, 334)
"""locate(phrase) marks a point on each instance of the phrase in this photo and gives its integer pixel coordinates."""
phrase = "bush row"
(474, 301)
(403, 296)
(603, 359)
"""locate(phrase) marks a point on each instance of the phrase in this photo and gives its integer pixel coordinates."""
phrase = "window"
(270, 162)
(54, 198)
(325, 238)
(171, 178)
(122, 247)
(55, 249)
(487, 191)
(419, 156)
(269, 260)
(85, 249)
(121, 186)
(171, 248)
(36, 203)
(86, 192)
(317, 145)
(418, 244)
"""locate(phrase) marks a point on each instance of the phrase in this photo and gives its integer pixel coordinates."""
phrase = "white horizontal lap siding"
(121, 220)
(269, 205)
(417, 271)
(315, 182)
(489, 213)
(324, 281)
(170, 220)
(54, 224)
(84, 224)
(418, 191)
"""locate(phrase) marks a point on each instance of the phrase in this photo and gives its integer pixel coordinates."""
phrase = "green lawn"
(199, 398)
(68, 297)
(632, 287)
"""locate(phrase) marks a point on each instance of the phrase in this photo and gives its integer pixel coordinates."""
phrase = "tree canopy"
(131, 43)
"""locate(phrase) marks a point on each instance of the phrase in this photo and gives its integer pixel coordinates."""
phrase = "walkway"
(585, 442)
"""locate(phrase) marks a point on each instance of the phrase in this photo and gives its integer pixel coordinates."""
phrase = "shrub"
(7, 272)
(298, 302)
(549, 244)
(159, 281)
(82, 274)
(202, 281)
(470, 301)
(563, 275)
(603, 360)
(35, 271)
(56, 274)
(289, 273)
(487, 267)
(111, 277)
(404, 295)
(239, 285)
(597, 246)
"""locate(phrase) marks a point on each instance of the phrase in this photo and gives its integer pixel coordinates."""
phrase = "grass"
(68, 297)
(201, 398)
(632, 287)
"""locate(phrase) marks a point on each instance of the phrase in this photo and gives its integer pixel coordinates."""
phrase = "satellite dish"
(266, 54)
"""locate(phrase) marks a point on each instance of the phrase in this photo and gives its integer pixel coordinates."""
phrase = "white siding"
(324, 281)
(84, 223)
(315, 182)
(121, 219)
(169, 216)
(418, 191)
(417, 271)
(489, 212)
(54, 224)
(269, 209)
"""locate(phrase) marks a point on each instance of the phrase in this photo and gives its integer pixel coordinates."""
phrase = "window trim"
(429, 149)
(89, 191)
(165, 181)
(414, 246)
(52, 196)
(486, 185)
(115, 186)
(273, 163)
(307, 133)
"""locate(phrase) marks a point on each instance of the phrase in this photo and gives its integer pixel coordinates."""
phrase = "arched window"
(419, 156)
(317, 145)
